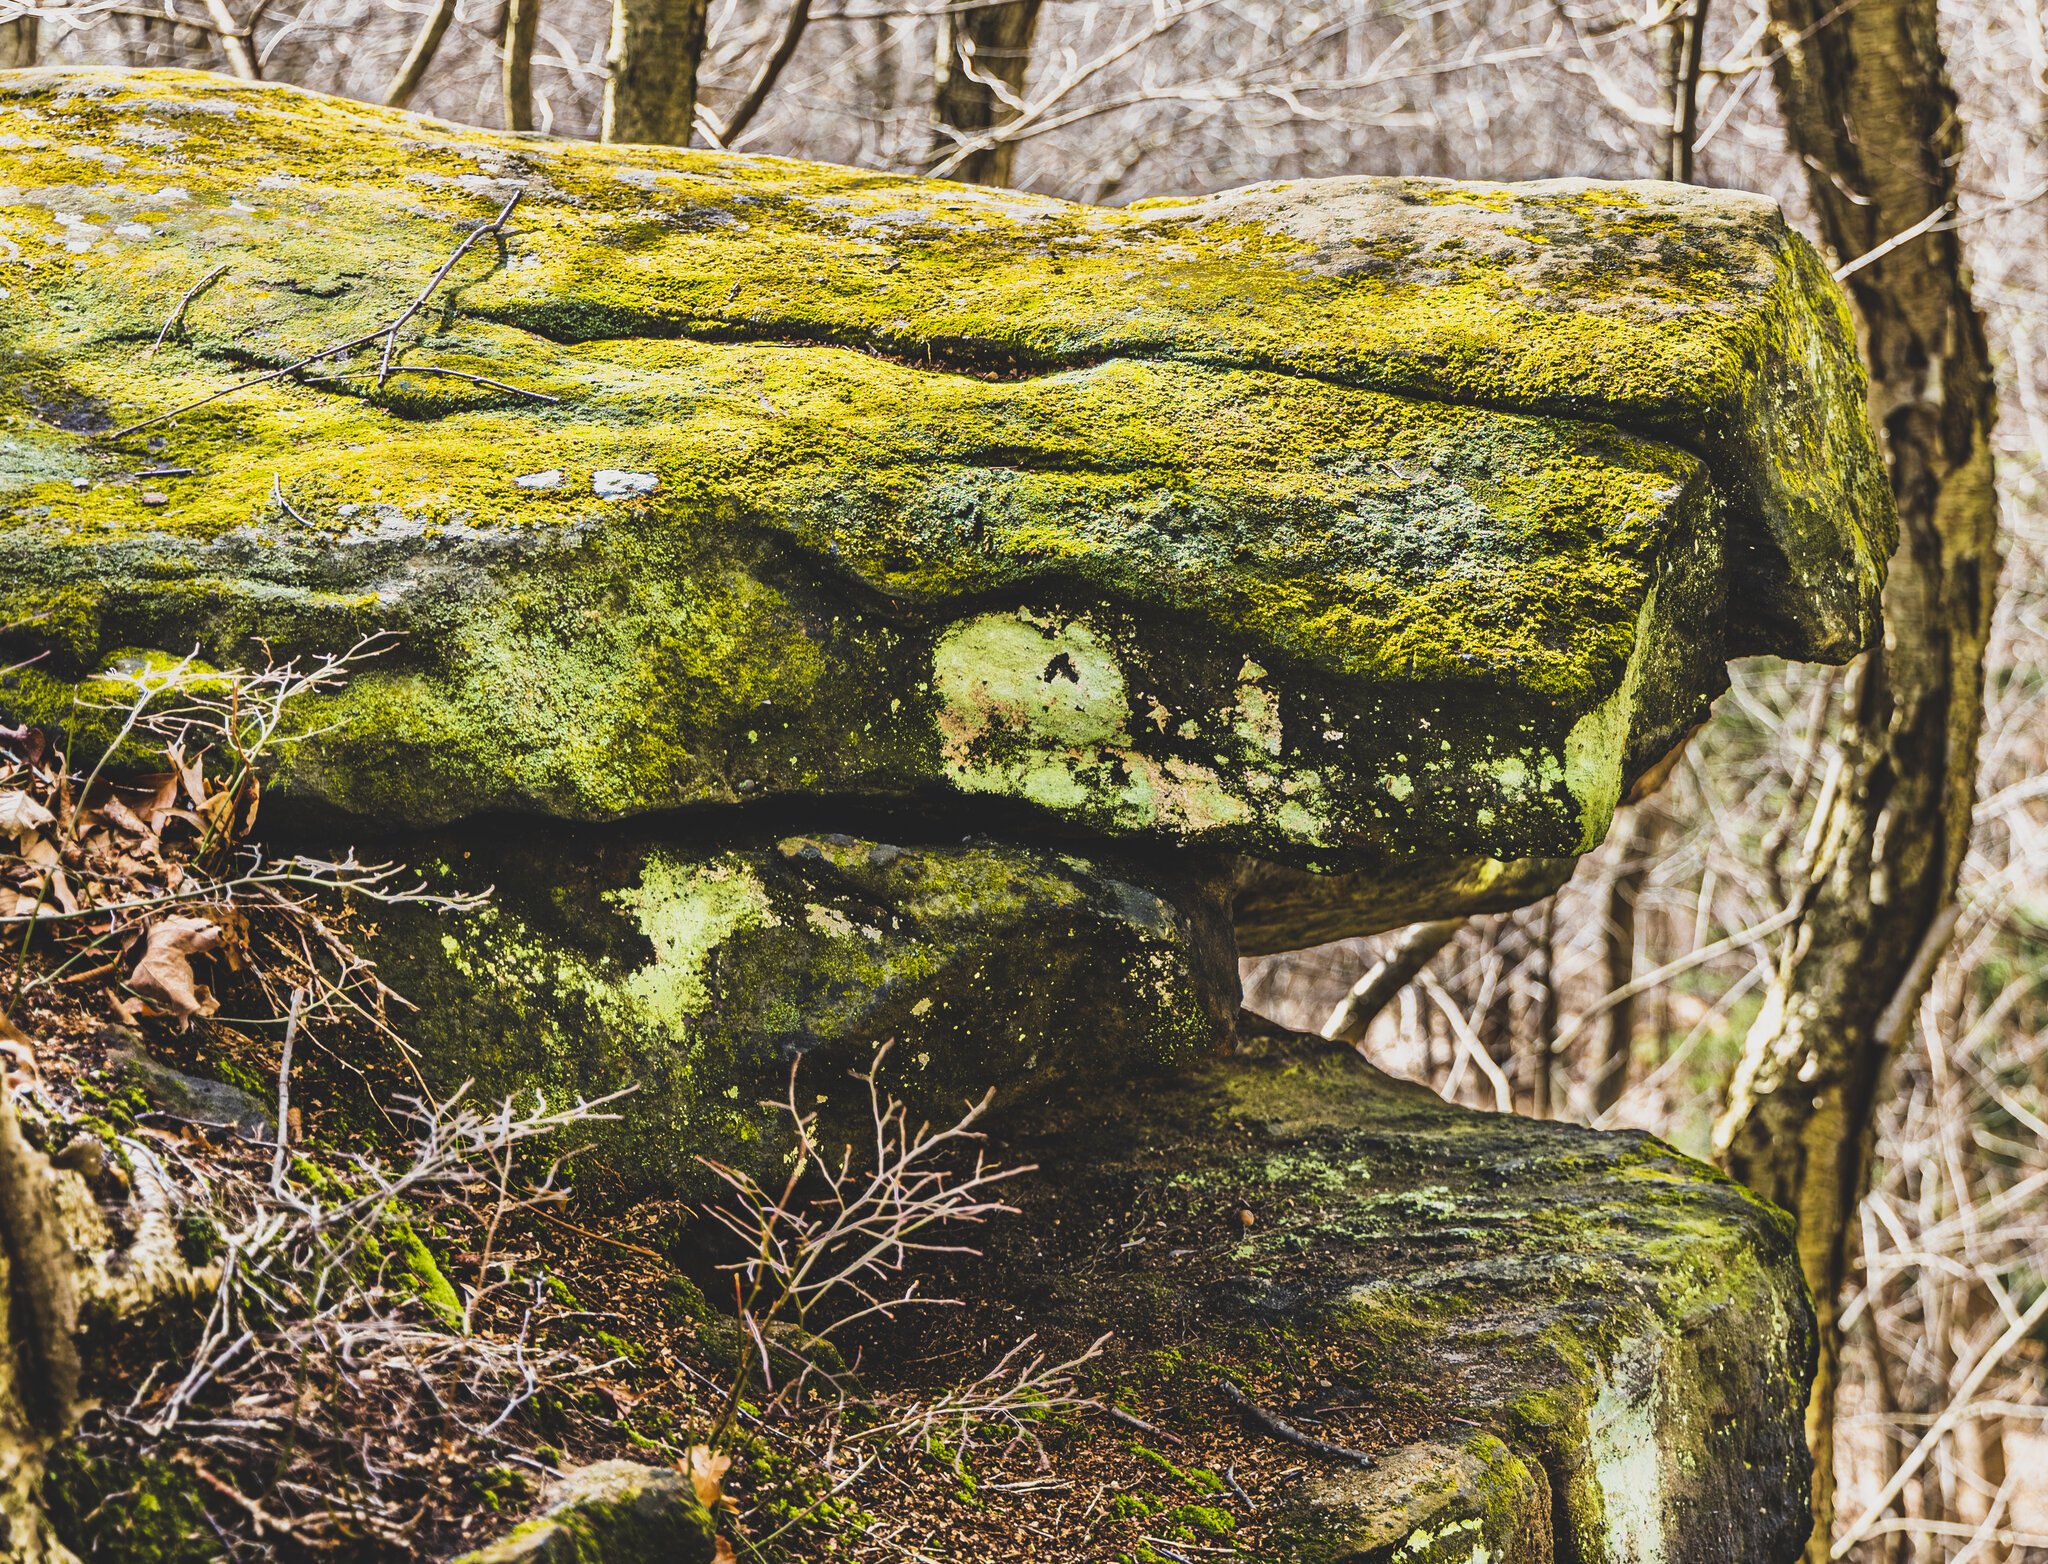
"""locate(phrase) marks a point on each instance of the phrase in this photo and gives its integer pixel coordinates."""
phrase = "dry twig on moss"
(387, 334)
(1285, 1431)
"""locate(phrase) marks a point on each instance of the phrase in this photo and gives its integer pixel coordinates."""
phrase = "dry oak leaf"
(164, 975)
(722, 1552)
(20, 1051)
(706, 1470)
(20, 814)
(121, 815)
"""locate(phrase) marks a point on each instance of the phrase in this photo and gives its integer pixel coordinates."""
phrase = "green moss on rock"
(615, 1512)
(1338, 503)
(696, 973)
(1564, 1345)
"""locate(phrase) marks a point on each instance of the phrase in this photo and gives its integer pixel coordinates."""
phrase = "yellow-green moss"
(1697, 314)
(1276, 446)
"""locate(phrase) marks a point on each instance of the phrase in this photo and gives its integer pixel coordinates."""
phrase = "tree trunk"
(522, 27)
(987, 50)
(1869, 110)
(1618, 953)
(38, 1349)
(425, 45)
(1416, 947)
(1543, 1089)
(651, 94)
(794, 23)
(18, 43)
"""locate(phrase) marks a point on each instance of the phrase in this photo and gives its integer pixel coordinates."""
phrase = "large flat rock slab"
(1558, 1346)
(1338, 524)
(1690, 313)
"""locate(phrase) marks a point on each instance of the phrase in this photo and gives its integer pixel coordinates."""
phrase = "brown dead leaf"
(164, 975)
(220, 813)
(191, 774)
(721, 1552)
(20, 814)
(706, 1470)
(19, 1050)
(163, 800)
(121, 816)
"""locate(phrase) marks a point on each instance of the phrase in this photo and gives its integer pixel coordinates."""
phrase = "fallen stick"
(176, 320)
(494, 227)
(388, 333)
(1131, 1421)
(1267, 1423)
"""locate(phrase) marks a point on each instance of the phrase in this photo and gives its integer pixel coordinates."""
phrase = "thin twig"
(1117, 1414)
(793, 25)
(244, 385)
(176, 319)
(1958, 1404)
(277, 498)
(387, 333)
(494, 227)
(433, 369)
(1905, 236)
(281, 1157)
(1237, 1493)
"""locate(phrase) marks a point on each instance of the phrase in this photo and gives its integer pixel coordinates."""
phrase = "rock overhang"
(1335, 524)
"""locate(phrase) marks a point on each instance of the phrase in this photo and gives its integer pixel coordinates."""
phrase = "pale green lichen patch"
(687, 911)
(1463, 1541)
(1629, 1448)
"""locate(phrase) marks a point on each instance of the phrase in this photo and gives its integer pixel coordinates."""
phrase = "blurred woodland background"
(1817, 952)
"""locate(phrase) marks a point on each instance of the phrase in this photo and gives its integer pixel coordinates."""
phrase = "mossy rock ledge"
(1378, 525)
(1557, 1346)
(830, 607)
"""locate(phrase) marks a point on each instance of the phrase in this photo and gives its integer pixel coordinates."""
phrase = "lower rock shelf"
(1556, 1345)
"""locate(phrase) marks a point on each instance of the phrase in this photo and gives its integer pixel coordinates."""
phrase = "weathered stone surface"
(615, 1512)
(695, 973)
(1561, 1347)
(1381, 531)
(1301, 522)
(191, 1098)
